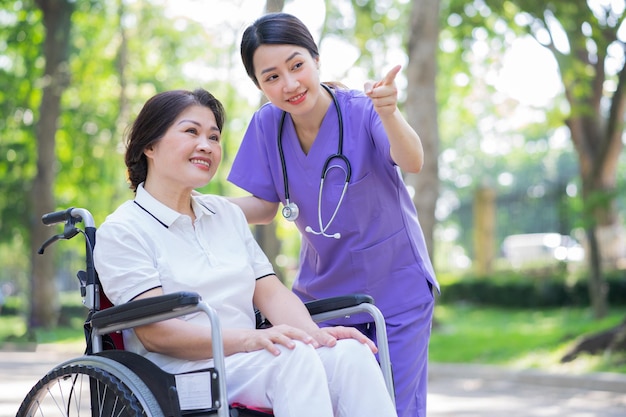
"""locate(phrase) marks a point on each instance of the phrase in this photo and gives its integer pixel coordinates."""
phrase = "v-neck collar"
(325, 143)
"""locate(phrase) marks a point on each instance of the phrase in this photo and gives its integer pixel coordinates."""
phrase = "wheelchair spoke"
(77, 391)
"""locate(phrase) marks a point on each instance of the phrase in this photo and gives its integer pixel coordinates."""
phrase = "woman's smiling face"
(288, 76)
(189, 152)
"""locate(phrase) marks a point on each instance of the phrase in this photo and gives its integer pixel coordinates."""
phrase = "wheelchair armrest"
(348, 305)
(336, 303)
(153, 307)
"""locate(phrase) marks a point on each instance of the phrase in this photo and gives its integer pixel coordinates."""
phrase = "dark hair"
(274, 29)
(156, 116)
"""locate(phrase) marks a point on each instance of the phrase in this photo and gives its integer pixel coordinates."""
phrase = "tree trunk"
(44, 303)
(598, 143)
(266, 234)
(484, 230)
(598, 152)
(421, 110)
(598, 287)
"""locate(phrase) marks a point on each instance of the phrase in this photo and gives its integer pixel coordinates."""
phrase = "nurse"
(333, 157)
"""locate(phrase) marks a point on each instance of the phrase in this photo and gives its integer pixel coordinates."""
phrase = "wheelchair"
(109, 381)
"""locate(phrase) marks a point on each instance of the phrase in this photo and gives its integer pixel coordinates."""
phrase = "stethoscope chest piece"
(290, 211)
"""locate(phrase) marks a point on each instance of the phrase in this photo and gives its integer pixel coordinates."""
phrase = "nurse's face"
(188, 154)
(288, 76)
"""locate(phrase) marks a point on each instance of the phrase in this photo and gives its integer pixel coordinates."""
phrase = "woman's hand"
(328, 336)
(285, 335)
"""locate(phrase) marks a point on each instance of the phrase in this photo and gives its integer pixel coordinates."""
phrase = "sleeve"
(251, 169)
(261, 265)
(125, 263)
(378, 133)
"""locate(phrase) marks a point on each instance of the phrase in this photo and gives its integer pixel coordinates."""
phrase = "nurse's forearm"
(257, 210)
(406, 146)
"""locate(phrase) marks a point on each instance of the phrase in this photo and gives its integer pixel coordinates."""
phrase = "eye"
(192, 130)
(298, 65)
(215, 138)
(271, 78)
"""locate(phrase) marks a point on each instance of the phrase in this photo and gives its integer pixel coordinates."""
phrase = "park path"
(454, 390)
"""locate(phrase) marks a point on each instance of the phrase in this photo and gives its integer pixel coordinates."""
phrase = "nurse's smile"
(297, 99)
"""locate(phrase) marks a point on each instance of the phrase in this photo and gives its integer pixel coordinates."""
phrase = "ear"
(149, 151)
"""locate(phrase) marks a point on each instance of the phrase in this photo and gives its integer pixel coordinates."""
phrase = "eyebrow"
(289, 58)
(189, 121)
(197, 124)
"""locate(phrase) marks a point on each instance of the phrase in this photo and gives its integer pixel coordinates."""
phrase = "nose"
(291, 83)
(206, 145)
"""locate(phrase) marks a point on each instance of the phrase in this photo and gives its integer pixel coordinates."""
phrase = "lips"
(297, 99)
(202, 162)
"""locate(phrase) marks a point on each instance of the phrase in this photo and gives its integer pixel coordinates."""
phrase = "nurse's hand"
(328, 336)
(384, 93)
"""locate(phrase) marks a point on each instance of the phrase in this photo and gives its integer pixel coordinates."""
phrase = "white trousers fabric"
(342, 381)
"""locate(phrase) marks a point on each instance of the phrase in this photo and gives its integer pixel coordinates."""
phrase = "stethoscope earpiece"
(290, 210)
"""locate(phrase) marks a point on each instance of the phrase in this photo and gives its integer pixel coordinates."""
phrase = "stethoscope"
(290, 210)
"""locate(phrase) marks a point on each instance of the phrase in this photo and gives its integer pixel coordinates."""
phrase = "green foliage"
(528, 290)
(121, 53)
(375, 28)
(20, 91)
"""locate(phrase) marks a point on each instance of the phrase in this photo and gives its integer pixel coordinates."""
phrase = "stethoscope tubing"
(290, 211)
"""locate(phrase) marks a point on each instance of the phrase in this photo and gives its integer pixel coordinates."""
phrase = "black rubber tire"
(65, 391)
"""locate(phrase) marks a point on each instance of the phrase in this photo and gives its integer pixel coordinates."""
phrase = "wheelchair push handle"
(55, 217)
(70, 217)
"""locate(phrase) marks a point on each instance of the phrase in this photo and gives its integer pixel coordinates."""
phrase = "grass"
(520, 338)
(13, 328)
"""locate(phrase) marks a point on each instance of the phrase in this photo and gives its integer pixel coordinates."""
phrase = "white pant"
(342, 381)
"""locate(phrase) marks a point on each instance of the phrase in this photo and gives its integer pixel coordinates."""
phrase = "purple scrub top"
(381, 251)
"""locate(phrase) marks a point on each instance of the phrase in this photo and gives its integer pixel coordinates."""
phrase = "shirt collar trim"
(165, 215)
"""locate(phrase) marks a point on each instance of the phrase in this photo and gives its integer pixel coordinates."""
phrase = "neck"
(176, 199)
(308, 125)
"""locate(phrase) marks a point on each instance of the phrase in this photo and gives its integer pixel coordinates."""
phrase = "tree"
(57, 14)
(422, 109)
(50, 162)
(584, 41)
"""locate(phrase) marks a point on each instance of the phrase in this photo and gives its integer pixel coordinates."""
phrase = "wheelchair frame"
(122, 383)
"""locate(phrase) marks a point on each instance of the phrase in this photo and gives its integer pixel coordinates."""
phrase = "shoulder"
(354, 99)
(267, 111)
(125, 213)
(219, 205)
(126, 219)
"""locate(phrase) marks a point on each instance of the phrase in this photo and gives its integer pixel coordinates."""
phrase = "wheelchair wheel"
(89, 386)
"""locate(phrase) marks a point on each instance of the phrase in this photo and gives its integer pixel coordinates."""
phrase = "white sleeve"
(125, 262)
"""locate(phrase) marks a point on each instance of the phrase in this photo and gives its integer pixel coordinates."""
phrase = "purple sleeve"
(379, 135)
(252, 167)
(359, 113)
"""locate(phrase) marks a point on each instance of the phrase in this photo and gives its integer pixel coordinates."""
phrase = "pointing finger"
(389, 79)
(391, 75)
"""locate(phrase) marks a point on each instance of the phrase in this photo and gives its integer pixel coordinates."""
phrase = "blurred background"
(519, 104)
